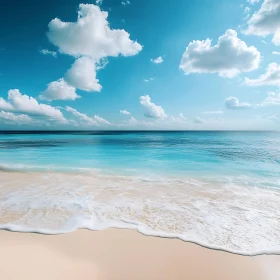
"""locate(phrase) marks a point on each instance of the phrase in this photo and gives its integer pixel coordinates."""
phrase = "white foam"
(230, 214)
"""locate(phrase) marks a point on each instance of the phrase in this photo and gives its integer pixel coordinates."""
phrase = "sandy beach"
(115, 254)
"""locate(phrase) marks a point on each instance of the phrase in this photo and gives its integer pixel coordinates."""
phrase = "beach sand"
(117, 254)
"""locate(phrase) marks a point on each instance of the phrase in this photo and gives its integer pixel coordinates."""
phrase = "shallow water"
(218, 189)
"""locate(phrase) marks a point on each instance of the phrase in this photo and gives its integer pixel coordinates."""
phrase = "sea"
(218, 189)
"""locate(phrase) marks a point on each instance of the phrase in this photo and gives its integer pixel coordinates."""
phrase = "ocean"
(217, 189)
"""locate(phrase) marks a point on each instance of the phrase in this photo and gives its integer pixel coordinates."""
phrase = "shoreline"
(123, 254)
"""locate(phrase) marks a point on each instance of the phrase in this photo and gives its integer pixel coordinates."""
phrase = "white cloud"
(276, 53)
(233, 103)
(101, 120)
(151, 110)
(91, 36)
(82, 75)
(59, 90)
(82, 117)
(229, 57)
(124, 112)
(11, 118)
(270, 78)
(266, 21)
(22, 103)
(148, 80)
(125, 3)
(273, 98)
(247, 10)
(157, 60)
(252, 2)
(99, 2)
(86, 120)
(47, 52)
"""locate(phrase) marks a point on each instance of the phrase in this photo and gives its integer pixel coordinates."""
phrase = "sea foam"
(236, 214)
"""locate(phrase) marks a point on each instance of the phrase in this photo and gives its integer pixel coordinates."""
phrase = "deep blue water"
(185, 153)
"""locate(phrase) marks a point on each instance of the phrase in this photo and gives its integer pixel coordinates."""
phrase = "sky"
(128, 65)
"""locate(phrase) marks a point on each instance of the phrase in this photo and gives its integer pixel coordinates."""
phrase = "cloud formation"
(157, 60)
(91, 36)
(59, 90)
(82, 75)
(229, 57)
(233, 103)
(270, 78)
(11, 118)
(90, 40)
(22, 103)
(47, 52)
(85, 120)
(151, 109)
(266, 21)
(124, 112)
(273, 98)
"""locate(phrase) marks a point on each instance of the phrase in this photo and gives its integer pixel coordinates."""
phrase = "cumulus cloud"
(124, 112)
(233, 103)
(99, 2)
(270, 78)
(276, 53)
(82, 75)
(47, 52)
(22, 103)
(59, 90)
(266, 21)
(157, 60)
(229, 57)
(11, 118)
(91, 35)
(91, 40)
(151, 110)
(86, 120)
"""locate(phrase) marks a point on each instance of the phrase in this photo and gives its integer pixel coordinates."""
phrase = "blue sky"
(138, 66)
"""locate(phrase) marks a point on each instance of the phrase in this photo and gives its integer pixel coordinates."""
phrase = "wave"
(237, 214)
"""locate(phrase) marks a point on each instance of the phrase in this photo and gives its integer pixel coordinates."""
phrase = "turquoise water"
(184, 153)
(217, 189)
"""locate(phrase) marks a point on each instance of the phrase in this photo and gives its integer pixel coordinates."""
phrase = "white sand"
(123, 254)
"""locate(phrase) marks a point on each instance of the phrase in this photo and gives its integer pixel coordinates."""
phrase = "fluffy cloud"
(11, 118)
(270, 78)
(266, 21)
(157, 60)
(229, 57)
(47, 52)
(276, 53)
(99, 2)
(91, 36)
(151, 110)
(86, 120)
(90, 39)
(124, 112)
(82, 75)
(233, 103)
(59, 90)
(22, 103)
